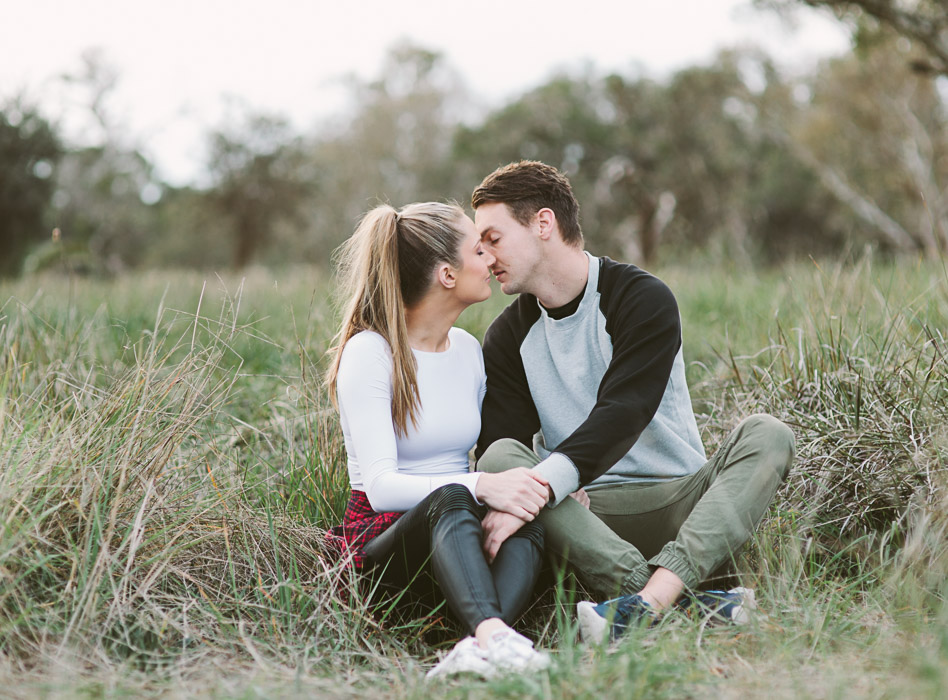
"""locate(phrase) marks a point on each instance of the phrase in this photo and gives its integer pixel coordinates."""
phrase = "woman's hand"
(520, 492)
(497, 528)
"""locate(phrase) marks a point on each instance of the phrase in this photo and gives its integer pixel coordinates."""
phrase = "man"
(586, 368)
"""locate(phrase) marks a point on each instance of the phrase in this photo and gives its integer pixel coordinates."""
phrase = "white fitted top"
(396, 472)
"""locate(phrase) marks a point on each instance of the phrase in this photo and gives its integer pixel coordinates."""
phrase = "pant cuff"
(678, 566)
(635, 581)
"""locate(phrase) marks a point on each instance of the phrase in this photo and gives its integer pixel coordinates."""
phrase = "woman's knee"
(532, 531)
(450, 497)
(505, 454)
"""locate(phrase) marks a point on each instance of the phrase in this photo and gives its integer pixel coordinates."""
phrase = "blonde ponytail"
(383, 267)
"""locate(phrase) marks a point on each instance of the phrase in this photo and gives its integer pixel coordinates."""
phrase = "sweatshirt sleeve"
(643, 322)
(508, 410)
(364, 388)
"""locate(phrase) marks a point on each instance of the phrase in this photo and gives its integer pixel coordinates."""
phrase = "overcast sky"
(178, 58)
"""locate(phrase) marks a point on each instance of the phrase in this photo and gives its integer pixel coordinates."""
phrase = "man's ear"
(447, 276)
(546, 220)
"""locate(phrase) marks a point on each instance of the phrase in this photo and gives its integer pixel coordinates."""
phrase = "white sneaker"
(509, 651)
(466, 657)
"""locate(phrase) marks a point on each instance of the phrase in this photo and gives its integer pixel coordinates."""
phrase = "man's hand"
(518, 492)
(498, 527)
(581, 497)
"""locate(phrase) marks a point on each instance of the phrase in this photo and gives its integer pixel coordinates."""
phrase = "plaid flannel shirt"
(360, 525)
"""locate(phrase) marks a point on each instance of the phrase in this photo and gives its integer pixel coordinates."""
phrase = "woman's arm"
(364, 388)
(365, 394)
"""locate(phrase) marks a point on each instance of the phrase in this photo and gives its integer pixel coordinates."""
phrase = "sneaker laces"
(632, 609)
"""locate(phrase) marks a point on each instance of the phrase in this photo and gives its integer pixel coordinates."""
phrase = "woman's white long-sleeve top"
(398, 471)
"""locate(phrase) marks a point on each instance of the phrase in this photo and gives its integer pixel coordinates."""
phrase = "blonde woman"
(408, 386)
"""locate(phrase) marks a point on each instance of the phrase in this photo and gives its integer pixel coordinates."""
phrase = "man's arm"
(643, 322)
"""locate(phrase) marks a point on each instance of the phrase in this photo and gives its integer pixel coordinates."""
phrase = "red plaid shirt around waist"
(360, 525)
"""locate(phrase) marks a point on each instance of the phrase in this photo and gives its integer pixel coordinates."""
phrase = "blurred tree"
(630, 193)
(682, 155)
(731, 157)
(568, 122)
(103, 204)
(742, 189)
(190, 232)
(874, 130)
(256, 166)
(105, 186)
(925, 22)
(663, 165)
(29, 152)
(394, 145)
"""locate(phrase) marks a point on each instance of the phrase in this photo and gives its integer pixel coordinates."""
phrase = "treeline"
(734, 160)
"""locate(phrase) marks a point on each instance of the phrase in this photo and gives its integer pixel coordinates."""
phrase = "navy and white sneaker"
(613, 617)
(734, 606)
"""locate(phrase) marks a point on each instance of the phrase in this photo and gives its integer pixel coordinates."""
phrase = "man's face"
(515, 247)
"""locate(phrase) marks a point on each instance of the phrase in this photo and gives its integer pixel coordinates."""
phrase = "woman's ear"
(447, 276)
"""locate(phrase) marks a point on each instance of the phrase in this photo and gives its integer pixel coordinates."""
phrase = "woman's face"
(473, 279)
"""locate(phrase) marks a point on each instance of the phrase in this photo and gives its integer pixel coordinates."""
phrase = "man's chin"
(507, 285)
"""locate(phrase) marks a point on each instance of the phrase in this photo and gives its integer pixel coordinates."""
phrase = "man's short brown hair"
(526, 188)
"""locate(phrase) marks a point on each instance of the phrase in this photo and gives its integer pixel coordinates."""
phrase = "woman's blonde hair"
(384, 267)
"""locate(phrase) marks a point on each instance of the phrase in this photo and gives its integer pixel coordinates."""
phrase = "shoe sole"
(440, 671)
(458, 661)
(592, 625)
(534, 665)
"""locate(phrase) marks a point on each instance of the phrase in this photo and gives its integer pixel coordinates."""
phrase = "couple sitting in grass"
(587, 448)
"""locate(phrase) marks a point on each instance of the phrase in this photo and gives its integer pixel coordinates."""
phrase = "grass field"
(169, 462)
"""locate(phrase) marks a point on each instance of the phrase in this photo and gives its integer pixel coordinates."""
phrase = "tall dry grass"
(133, 526)
(168, 466)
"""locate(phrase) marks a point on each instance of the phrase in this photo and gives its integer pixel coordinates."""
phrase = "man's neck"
(564, 278)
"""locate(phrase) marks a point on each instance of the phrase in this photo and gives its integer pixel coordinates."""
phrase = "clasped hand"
(498, 525)
(520, 492)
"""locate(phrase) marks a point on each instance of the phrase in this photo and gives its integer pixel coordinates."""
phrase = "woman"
(408, 386)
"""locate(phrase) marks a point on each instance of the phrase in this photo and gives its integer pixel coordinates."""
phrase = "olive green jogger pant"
(690, 525)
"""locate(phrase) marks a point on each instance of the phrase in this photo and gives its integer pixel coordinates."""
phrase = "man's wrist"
(561, 475)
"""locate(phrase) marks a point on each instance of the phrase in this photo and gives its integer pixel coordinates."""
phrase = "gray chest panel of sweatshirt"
(565, 360)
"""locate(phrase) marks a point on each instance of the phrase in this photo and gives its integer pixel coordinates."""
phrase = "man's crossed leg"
(656, 539)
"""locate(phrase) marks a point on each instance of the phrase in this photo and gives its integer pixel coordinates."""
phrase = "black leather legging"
(442, 536)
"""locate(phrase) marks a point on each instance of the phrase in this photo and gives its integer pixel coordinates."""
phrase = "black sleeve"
(643, 321)
(508, 410)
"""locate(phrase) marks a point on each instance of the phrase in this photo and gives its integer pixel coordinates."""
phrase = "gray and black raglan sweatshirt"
(596, 387)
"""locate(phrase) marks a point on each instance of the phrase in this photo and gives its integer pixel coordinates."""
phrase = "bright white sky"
(178, 58)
